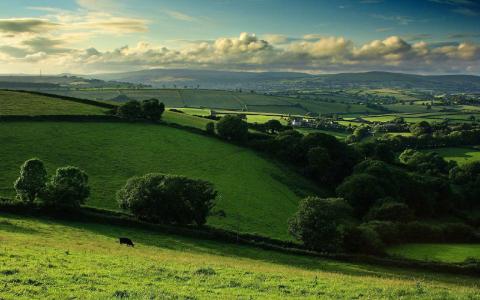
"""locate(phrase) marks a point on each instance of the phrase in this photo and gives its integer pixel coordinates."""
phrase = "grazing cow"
(126, 241)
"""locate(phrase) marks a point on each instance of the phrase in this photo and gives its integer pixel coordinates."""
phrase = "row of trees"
(67, 188)
(151, 109)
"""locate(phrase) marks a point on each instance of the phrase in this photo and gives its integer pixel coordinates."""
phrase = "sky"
(314, 36)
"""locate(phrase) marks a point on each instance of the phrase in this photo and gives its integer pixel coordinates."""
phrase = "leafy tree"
(131, 110)
(361, 191)
(232, 128)
(31, 182)
(273, 126)
(362, 239)
(67, 188)
(390, 210)
(152, 109)
(421, 128)
(428, 163)
(210, 128)
(168, 199)
(317, 223)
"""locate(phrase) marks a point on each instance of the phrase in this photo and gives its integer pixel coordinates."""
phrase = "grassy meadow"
(71, 260)
(19, 103)
(249, 185)
(461, 155)
(450, 253)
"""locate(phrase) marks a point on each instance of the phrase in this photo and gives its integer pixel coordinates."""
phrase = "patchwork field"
(217, 99)
(452, 253)
(110, 153)
(67, 260)
(19, 103)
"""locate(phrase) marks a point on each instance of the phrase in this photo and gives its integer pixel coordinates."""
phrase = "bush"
(152, 109)
(168, 199)
(389, 210)
(32, 180)
(388, 232)
(232, 128)
(317, 223)
(361, 191)
(458, 233)
(67, 188)
(210, 128)
(362, 239)
(420, 232)
(131, 110)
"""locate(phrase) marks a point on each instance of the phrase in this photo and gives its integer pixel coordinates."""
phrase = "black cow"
(126, 241)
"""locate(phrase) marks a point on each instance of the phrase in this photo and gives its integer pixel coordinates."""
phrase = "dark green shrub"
(152, 109)
(67, 188)
(390, 211)
(210, 128)
(169, 199)
(232, 128)
(32, 180)
(362, 239)
(458, 233)
(131, 110)
(420, 232)
(388, 232)
(317, 223)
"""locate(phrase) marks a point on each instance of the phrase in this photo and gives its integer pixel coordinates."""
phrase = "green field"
(460, 155)
(46, 259)
(19, 103)
(452, 253)
(110, 153)
(220, 100)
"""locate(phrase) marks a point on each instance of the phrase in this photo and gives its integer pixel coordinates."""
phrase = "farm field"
(113, 152)
(450, 253)
(459, 154)
(19, 103)
(217, 99)
(67, 260)
(338, 135)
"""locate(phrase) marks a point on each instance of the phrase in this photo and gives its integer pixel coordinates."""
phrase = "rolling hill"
(66, 260)
(22, 103)
(249, 186)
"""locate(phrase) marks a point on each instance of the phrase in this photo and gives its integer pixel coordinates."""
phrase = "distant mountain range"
(266, 81)
(258, 81)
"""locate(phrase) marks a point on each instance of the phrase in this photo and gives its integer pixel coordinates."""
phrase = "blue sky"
(307, 35)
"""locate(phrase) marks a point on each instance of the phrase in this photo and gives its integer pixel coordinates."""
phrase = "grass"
(460, 155)
(70, 260)
(257, 195)
(217, 99)
(451, 253)
(338, 135)
(20, 103)
(185, 119)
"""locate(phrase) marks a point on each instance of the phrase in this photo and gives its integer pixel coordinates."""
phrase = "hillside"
(257, 195)
(65, 260)
(20, 103)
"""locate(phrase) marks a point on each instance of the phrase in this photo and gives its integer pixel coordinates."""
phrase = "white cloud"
(180, 16)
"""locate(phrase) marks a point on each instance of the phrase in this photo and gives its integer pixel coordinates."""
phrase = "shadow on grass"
(151, 238)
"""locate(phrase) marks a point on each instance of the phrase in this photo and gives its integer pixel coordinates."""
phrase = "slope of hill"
(20, 103)
(66, 260)
(257, 195)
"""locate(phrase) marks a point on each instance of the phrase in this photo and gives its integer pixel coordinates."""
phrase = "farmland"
(248, 184)
(451, 253)
(19, 103)
(222, 100)
(83, 260)
(459, 154)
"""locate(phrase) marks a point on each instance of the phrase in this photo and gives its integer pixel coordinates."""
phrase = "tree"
(421, 128)
(232, 128)
(361, 191)
(317, 223)
(152, 109)
(210, 128)
(390, 210)
(131, 110)
(31, 182)
(67, 188)
(168, 199)
(429, 163)
(273, 126)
